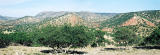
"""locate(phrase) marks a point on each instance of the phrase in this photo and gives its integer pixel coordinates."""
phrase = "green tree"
(100, 40)
(124, 37)
(3, 40)
(154, 38)
(67, 36)
(70, 36)
(20, 38)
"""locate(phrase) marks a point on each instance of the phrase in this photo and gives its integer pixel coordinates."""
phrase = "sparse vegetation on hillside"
(151, 15)
(117, 20)
(141, 30)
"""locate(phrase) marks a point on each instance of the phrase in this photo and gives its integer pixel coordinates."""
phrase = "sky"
(20, 8)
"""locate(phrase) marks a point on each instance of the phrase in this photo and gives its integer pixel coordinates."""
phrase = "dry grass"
(23, 50)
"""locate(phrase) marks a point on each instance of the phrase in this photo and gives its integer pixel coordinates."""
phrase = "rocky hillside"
(150, 18)
(72, 19)
(142, 22)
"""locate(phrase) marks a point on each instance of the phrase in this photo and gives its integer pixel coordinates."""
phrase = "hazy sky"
(19, 8)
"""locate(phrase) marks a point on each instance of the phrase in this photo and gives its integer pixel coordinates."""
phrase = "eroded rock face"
(132, 21)
(136, 20)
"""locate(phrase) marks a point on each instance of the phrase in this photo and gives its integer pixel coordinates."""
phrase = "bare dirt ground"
(108, 50)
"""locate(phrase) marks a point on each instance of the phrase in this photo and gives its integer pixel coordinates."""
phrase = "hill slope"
(150, 18)
(142, 22)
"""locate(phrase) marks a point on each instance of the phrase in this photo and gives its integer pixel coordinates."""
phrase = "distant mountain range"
(143, 22)
(6, 18)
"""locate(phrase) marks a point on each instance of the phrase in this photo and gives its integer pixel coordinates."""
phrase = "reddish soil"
(73, 19)
(137, 20)
(149, 23)
(132, 21)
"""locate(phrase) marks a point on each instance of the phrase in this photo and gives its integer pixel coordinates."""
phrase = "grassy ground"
(108, 50)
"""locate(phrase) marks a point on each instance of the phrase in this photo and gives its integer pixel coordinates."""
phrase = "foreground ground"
(109, 50)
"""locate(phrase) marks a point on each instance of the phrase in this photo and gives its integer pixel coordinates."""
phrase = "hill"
(150, 18)
(142, 22)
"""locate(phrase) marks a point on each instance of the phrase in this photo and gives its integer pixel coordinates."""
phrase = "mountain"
(26, 20)
(3, 18)
(6, 18)
(49, 14)
(150, 18)
(83, 15)
(84, 18)
(142, 22)
(3, 21)
(23, 20)
(77, 18)
(72, 19)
